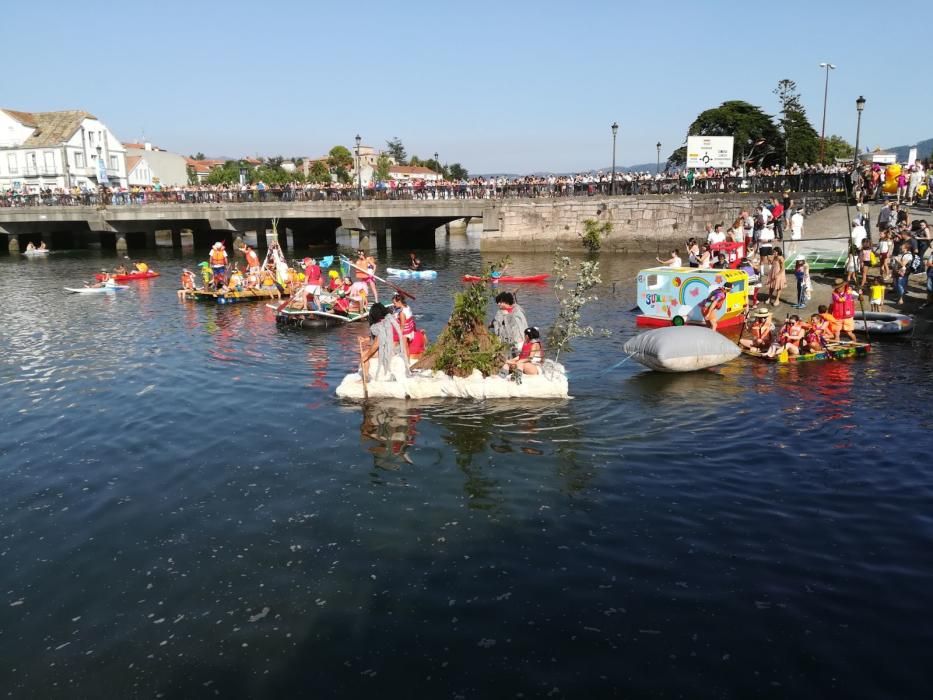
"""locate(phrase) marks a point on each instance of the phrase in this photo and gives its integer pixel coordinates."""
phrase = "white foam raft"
(428, 384)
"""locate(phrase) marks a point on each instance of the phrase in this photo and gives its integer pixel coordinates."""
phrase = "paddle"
(363, 370)
(397, 289)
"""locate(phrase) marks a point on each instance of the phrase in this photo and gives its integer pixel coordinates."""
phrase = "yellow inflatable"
(890, 178)
(922, 191)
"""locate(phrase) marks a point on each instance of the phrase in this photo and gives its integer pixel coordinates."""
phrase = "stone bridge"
(408, 224)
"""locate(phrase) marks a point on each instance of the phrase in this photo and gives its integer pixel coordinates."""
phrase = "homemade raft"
(426, 384)
(232, 296)
(832, 351)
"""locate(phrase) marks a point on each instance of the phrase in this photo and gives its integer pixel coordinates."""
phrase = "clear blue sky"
(508, 86)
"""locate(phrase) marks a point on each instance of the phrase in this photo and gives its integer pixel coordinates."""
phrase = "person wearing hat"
(218, 259)
(713, 303)
(843, 307)
(762, 331)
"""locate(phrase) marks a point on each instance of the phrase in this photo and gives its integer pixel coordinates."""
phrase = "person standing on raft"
(509, 323)
(218, 260)
(252, 260)
(384, 329)
(366, 269)
(713, 303)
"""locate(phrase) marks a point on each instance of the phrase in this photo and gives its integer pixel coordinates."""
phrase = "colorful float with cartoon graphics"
(672, 296)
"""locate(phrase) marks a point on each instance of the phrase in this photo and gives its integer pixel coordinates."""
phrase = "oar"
(397, 289)
(363, 370)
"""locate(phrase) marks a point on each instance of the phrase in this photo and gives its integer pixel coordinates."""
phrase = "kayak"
(882, 324)
(412, 274)
(95, 290)
(833, 351)
(506, 278)
(129, 277)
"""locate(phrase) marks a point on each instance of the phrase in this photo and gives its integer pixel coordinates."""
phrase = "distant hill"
(923, 150)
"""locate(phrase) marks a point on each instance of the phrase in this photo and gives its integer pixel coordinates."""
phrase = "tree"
(199, 156)
(415, 161)
(751, 128)
(457, 172)
(192, 175)
(383, 165)
(275, 161)
(397, 150)
(340, 161)
(319, 173)
(229, 173)
(837, 147)
(801, 143)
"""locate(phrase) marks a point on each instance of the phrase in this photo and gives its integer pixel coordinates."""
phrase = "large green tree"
(229, 173)
(457, 172)
(340, 161)
(757, 139)
(801, 143)
(836, 147)
(397, 150)
(319, 173)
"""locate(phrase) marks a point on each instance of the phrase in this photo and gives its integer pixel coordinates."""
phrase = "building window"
(48, 160)
(11, 162)
(90, 138)
(79, 159)
(114, 163)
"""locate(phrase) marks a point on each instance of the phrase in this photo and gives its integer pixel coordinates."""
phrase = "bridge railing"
(807, 182)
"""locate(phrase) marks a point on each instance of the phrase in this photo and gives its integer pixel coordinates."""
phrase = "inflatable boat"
(877, 323)
(412, 274)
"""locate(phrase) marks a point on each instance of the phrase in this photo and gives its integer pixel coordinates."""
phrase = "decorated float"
(673, 296)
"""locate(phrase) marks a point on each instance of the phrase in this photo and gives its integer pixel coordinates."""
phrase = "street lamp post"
(859, 106)
(359, 171)
(828, 67)
(657, 169)
(612, 180)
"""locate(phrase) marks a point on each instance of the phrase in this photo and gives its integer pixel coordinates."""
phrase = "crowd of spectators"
(796, 178)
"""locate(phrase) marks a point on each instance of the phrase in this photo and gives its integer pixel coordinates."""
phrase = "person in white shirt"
(673, 261)
(859, 233)
(716, 235)
(766, 214)
(766, 240)
(796, 225)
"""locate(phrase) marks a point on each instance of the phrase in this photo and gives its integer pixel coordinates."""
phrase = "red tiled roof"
(131, 162)
(412, 170)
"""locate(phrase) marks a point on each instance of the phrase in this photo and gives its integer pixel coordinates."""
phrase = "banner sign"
(709, 151)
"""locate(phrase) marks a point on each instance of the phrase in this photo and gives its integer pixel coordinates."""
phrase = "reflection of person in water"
(391, 430)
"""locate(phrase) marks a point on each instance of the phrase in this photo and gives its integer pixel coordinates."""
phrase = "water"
(187, 511)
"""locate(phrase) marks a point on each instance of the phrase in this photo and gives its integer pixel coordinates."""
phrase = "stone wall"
(639, 224)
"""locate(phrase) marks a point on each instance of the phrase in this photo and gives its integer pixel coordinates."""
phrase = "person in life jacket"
(187, 283)
(530, 357)
(417, 340)
(218, 259)
(252, 260)
(789, 337)
(761, 331)
(366, 269)
(843, 307)
(813, 338)
(832, 324)
(713, 303)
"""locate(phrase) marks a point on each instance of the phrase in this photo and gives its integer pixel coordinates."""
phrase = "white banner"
(709, 151)
(912, 156)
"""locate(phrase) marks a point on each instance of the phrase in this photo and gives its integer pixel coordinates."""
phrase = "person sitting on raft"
(30, 246)
(413, 262)
(406, 319)
(387, 340)
(236, 280)
(530, 357)
(789, 337)
(187, 283)
(509, 323)
(106, 280)
(673, 261)
(762, 332)
(833, 324)
(813, 339)
(42, 246)
(713, 303)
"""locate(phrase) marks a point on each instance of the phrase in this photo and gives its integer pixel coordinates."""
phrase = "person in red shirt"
(777, 211)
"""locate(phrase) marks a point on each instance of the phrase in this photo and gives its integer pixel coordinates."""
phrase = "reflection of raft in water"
(232, 297)
(833, 351)
(314, 319)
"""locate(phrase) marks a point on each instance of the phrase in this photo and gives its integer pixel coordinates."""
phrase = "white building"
(406, 173)
(138, 172)
(165, 169)
(40, 150)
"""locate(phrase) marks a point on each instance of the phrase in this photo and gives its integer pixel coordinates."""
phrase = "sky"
(511, 86)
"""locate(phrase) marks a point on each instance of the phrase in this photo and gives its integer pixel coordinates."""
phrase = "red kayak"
(128, 277)
(507, 278)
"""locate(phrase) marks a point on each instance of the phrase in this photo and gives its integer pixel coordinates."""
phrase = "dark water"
(187, 511)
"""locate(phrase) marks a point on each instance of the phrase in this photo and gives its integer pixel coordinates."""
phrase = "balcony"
(36, 171)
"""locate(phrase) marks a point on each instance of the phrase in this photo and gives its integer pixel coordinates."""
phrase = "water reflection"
(388, 431)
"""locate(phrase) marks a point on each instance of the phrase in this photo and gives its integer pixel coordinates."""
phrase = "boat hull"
(232, 297)
(833, 351)
(506, 278)
(129, 277)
